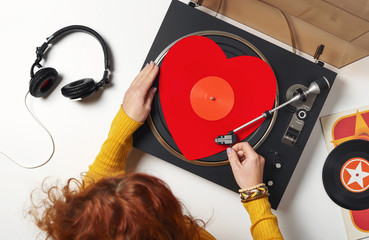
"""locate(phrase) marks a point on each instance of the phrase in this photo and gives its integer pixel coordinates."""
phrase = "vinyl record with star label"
(346, 175)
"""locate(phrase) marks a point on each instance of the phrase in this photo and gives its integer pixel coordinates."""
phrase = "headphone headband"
(69, 29)
(79, 28)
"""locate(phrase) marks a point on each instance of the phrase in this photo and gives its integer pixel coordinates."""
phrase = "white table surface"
(79, 128)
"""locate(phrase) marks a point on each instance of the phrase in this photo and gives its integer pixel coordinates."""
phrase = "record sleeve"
(338, 128)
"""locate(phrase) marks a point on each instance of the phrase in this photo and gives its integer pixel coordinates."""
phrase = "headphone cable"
(47, 131)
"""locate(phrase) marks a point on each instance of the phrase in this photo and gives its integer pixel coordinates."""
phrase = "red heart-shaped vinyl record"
(204, 94)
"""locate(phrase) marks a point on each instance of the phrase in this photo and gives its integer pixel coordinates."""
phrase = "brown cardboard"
(342, 26)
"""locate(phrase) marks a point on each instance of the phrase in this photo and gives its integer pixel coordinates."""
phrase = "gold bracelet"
(256, 192)
(250, 188)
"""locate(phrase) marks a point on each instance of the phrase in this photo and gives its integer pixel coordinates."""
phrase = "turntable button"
(270, 183)
(302, 114)
(278, 165)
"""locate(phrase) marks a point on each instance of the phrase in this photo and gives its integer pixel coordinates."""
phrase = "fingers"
(150, 97)
(146, 77)
(233, 159)
(242, 146)
(241, 155)
(147, 83)
(239, 151)
(141, 75)
(245, 149)
(151, 77)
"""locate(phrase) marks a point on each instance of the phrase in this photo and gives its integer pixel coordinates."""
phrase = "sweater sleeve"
(264, 224)
(111, 159)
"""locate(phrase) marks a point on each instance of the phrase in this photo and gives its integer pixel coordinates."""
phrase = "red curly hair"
(131, 206)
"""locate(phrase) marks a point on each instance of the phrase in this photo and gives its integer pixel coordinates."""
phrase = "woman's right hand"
(138, 98)
(247, 165)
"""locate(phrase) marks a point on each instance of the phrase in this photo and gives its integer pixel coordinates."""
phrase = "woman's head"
(131, 206)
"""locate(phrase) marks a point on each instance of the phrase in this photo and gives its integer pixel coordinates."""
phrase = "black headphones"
(45, 80)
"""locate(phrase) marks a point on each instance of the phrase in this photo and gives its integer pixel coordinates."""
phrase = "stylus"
(315, 87)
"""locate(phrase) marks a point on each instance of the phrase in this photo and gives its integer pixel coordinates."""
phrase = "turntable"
(280, 138)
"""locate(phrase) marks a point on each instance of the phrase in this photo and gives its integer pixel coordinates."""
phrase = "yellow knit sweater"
(111, 161)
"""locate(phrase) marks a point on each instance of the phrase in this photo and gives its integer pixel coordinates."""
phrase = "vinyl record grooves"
(346, 175)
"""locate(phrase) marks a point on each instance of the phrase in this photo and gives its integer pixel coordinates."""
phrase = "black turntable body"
(288, 132)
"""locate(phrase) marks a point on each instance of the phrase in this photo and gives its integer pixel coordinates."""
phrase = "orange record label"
(355, 175)
(212, 98)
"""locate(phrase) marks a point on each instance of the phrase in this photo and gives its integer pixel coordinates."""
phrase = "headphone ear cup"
(79, 89)
(43, 82)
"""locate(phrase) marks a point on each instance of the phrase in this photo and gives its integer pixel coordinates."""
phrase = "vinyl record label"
(354, 175)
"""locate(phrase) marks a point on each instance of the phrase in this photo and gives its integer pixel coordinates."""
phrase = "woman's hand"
(247, 165)
(138, 98)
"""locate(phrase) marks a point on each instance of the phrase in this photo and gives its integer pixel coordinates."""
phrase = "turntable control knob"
(270, 183)
(278, 165)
